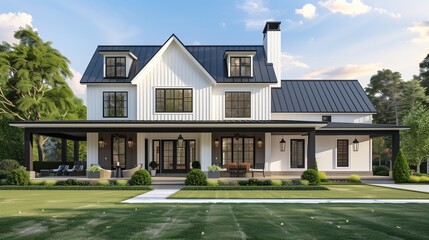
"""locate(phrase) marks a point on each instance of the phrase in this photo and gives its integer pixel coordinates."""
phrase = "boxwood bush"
(18, 176)
(196, 177)
(141, 177)
(401, 170)
(312, 176)
(354, 178)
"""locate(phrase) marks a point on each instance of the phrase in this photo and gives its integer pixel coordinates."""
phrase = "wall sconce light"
(259, 142)
(101, 143)
(282, 145)
(130, 142)
(355, 145)
(180, 141)
(216, 142)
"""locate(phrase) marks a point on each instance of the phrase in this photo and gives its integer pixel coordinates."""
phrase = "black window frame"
(183, 100)
(243, 151)
(303, 154)
(125, 105)
(238, 104)
(343, 153)
(115, 66)
(113, 137)
(327, 118)
(241, 65)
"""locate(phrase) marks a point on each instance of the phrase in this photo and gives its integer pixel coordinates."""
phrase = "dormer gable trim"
(162, 50)
(118, 53)
(239, 54)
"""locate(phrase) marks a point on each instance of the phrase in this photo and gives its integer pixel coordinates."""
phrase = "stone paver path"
(412, 187)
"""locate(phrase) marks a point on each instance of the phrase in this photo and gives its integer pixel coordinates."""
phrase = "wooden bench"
(259, 167)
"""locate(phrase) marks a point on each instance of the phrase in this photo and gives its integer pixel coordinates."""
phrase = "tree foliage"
(401, 170)
(415, 141)
(424, 74)
(11, 141)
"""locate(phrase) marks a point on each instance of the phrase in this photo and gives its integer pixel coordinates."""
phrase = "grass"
(335, 191)
(99, 215)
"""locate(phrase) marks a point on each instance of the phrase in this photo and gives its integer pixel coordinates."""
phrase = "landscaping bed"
(73, 187)
(249, 188)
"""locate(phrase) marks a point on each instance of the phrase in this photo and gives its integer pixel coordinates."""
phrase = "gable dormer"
(239, 63)
(117, 64)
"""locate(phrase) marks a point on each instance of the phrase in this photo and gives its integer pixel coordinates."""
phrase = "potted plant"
(196, 165)
(93, 171)
(214, 171)
(153, 165)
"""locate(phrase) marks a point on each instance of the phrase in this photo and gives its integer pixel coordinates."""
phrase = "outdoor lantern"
(259, 142)
(355, 145)
(216, 142)
(180, 141)
(282, 145)
(130, 142)
(101, 143)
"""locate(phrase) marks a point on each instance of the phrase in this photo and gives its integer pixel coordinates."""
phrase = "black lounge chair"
(60, 169)
(73, 171)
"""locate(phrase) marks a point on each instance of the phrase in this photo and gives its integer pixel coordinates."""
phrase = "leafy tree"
(384, 91)
(415, 141)
(11, 141)
(33, 80)
(424, 73)
(411, 94)
(401, 170)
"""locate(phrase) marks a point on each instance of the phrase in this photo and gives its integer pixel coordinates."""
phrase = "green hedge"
(41, 187)
(234, 188)
(50, 165)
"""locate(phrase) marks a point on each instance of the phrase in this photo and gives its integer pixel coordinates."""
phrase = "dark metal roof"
(320, 96)
(337, 125)
(211, 57)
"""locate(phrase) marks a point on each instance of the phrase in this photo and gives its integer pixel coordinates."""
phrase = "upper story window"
(115, 67)
(173, 100)
(327, 118)
(240, 66)
(237, 104)
(115, 104)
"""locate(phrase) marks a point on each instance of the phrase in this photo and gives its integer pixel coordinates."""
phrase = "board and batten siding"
(260, 100)
(336, 117)
(95, 100)
(173, 70)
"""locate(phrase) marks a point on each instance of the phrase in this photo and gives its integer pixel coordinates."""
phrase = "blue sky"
(324, 39)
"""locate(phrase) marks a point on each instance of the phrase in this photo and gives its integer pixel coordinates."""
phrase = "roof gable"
(320, 96)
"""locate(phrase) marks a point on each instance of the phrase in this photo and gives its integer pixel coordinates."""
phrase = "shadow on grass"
(221, 221)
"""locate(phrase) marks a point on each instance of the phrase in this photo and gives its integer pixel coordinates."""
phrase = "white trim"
(336, 151)
(252, 101)
(229, 54)
(154, 112)
(109, 53)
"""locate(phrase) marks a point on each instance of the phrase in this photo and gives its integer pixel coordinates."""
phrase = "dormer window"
(115, 67)
(240, 63)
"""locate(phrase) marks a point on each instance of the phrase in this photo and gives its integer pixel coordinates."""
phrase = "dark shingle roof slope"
(320, 96)
(210, 57)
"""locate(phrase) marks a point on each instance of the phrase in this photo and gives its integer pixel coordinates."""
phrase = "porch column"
(63, 150)
(76, 151)
(311, 150)
(395, 146)
(28, 149)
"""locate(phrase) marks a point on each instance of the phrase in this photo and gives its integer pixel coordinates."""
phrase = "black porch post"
(76, 151)
(395, 145)
(28, 149)
(63, 150)
(311, 150)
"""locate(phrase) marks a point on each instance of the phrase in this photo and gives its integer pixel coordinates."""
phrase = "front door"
(175, 158)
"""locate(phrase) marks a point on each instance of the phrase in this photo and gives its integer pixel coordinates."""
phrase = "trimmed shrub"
(50, 182)
(253, 182)
(196, 165)
(3, 174)
(304, 182)
(311, 175)
(121, 182)
(315, 166)
(287, 183)
(380, 170)
(9, 164)
(37, 182)
(228, 182)
(153, 165)
(18, 176)
(414, 179)
(3, 181)
(354, 178)
(251, 188)
(401, 170)
(276, 182)
(424, 179)
(212, 183)
(141, 177)
(323, 177)
(243, 182)
(103, 183)
(196, 177)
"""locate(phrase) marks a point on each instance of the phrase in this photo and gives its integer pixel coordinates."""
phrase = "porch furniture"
(259, 167)
(104, 173)
(242, 169)
(45, 172)
(232, 168)
(60, 169)
(77, 168)
(127, 173)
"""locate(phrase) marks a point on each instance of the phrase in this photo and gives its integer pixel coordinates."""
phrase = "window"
(115, 67)
(297, 154)
(118, 151)
(238, 150)
(240, 67)
(115, 104)
(327, 118)
(173, 100)
(237, 104)
(342, 153)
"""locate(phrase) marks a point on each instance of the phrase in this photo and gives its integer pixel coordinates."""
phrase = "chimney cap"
(272, 26)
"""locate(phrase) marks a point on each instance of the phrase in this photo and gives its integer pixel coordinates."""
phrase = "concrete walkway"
(413, 187)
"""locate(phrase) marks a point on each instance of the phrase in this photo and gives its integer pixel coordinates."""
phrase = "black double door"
(175, 158)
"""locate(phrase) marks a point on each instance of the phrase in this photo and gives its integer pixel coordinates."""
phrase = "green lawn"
(38, 214)
(335, 191)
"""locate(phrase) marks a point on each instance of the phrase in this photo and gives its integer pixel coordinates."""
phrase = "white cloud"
(252, 7)
(422, 28)
(290, 61)
(257, 24)
(350, 71)
(308, 11)
(384, 11)
(196, 43)
(257, 14)
(353, 8)
(74, 83)
(11, 22)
